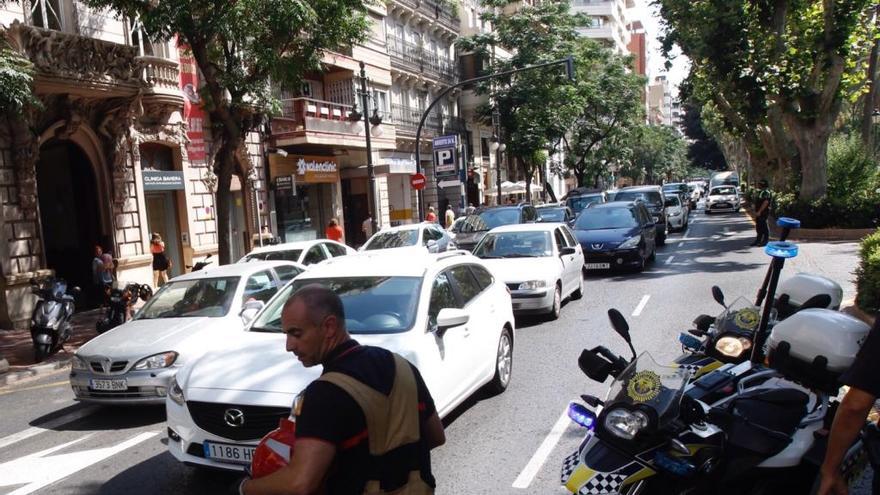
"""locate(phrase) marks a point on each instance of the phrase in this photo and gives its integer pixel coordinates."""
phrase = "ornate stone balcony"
(317, 122)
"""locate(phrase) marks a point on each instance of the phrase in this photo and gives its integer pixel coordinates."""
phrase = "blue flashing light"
(690, 341)
(676, 466)
(581, 415)
(787, 222)
(779, 249)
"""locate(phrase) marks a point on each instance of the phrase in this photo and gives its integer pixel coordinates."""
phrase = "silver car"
(427, 235)
(190, 315)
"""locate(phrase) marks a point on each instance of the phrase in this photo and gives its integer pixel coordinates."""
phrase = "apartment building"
(115, 152)
(660, 102)
(609, 21)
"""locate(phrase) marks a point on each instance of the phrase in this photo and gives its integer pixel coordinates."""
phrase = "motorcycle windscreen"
(648, 384)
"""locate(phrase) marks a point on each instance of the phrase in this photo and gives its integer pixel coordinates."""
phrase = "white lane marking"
(641, 305)
(669, 259)
(687, 233)
(48, 425)
(41, 469)
(540, 456)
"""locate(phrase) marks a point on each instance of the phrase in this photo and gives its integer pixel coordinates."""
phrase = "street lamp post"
(498, 148)
(254, 180)
(375, 120)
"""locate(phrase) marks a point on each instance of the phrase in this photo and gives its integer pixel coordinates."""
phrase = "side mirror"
(250, 310)
(567, 250)
(718, 295)
(618, 322)
(431, 245)
(703, 322)
(450, 317)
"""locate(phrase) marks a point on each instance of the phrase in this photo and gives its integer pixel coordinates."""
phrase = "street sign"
(417, 181)
(445, 157)
(448, 183)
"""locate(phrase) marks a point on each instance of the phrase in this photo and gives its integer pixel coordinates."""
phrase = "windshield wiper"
(523, 256)
(489, 257)
(265, 330)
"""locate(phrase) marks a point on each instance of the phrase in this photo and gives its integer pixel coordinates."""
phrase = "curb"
(15, 376)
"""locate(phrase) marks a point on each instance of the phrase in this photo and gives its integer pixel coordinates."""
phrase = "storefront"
(305, 191)
(163, 191)
(399, 167)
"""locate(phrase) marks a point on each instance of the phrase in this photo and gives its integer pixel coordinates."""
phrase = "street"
(512, 443)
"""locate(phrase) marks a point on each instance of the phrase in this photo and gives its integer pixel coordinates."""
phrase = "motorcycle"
(121, 298)
(50, 320)
(201, 264)
(739, 429)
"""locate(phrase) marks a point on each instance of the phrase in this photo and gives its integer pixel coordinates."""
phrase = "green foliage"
(658, 153)
(16, 80)
(851, 167)
(868, 274)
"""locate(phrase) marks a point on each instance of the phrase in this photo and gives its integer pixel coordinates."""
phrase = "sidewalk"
(17, 348)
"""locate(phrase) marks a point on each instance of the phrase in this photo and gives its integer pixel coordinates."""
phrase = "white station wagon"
(188, 316)
(446, 313)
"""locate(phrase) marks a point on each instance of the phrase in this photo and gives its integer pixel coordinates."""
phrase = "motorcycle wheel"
(41, 352)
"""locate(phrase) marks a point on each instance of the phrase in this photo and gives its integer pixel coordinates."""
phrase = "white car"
(428, 235)
(446, 313)
(188, 316)
(676, 213)
(723, 198)
(541, 263)
(303, 252)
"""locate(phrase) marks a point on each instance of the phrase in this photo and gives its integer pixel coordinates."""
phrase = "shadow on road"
(105, 418)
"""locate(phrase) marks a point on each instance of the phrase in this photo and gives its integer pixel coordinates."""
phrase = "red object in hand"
(274, 450)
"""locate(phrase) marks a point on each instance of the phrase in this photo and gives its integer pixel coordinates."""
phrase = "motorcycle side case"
(820, 333)
(803, 286)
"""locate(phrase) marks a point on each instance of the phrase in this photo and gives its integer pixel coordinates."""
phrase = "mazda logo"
(596, 246)
(234, 417)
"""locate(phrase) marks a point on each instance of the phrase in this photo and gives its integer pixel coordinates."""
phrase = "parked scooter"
(201, 264)
(50, 321)
(120, 301)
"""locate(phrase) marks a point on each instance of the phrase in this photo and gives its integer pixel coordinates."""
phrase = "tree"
(607, 98)
(658, 153)
(534, 106)
(239, 48)
(776, 71)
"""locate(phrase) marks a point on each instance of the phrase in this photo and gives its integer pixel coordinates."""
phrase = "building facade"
(609, 21)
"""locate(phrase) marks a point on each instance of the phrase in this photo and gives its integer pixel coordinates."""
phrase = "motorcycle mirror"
(594, 366)
(817, 301)
(718, 295)
(618, 322)
(76, 291)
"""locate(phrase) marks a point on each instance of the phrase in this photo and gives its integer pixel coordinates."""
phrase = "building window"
(380, 101)
(140, 39)
(47, 14)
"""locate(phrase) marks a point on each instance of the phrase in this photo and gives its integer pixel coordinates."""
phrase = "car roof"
(528, 227)
(233, 270)
(613, 204)
(384, 262)
(287, 246)
(641, 188)
(547, 207)
(499, 207)
(408, 226)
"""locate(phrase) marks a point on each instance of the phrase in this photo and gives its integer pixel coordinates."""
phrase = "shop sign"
(161, 180)
(307, 169)
(284, 184)
(401, 165)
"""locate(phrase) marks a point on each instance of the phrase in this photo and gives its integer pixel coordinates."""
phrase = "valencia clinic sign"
(305, 169)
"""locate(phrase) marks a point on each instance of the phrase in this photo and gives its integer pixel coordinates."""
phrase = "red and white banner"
(192, 105)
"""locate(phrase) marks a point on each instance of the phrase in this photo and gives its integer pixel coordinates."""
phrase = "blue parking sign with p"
(445, 160)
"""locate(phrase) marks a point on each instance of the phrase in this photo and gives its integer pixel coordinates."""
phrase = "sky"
(650, 17)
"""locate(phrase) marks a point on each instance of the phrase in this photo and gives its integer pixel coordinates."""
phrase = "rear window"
(552, 214)
(285, 255)
(578, 203)
(497, 218)
(652, 197)
(606, 218)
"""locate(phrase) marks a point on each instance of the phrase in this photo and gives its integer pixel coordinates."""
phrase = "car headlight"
(175, 392)
(624, 423)
(156, 361)
(630, 243)
(675, 213)
(533, 284)
(79, 363)
(733, 346)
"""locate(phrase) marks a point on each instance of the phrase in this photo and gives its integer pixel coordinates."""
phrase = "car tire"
(41, 352)
(556, 307)
(503, 364)
(579, 293)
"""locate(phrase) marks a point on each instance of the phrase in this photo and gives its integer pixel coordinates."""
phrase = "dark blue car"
(620, 234)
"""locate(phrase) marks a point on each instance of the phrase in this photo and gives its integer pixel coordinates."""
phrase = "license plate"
(110, 385)
(238, 454)
(597, 266)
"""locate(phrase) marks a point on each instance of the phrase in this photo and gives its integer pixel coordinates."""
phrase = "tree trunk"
(871, 97)
(580, 174)
(812, 144)
(224, 165)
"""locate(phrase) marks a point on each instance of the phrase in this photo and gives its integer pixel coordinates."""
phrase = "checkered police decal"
(568, 464)
(602, 483)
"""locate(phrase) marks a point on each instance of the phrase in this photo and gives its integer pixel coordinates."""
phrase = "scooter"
(120, 301)
(50, 320)
(201, 264)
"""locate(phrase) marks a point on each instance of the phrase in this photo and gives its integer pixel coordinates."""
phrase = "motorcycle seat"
(762, 421)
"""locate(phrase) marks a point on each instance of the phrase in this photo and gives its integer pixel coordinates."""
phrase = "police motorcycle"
(120, 299)
(50, 320)
(740, 428)
(728, 338)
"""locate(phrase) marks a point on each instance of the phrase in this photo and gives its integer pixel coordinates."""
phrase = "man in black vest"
(335, 450)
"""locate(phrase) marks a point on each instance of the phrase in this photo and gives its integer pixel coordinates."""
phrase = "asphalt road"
(513, 443)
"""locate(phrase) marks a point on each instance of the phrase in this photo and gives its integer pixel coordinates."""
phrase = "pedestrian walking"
(334, 231)
(161, 263)
(98, 277)
(450, 217)
(369, 417)
(762, 213)
(431, 216)
(863, 378)
(367, 228)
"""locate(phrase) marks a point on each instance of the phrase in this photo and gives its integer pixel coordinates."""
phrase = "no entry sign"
(417, 181)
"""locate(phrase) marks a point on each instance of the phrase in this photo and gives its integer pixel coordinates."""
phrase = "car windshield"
(373, 305)
(499, 217)
(578, 203)
(514, 245)
(191, 298)
(648, 196)
(393, 239)
(672, 200)
(723, 191)
(284, 255)
(552, 214)
(470, 224)
(606, 218)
